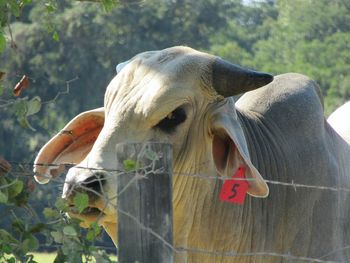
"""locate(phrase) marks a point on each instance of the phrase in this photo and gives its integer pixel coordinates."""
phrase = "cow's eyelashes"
(172, 120)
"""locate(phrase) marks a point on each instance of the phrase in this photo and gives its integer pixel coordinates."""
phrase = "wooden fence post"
(144, 204)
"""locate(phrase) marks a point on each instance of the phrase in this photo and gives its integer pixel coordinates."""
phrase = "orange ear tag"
(235, 189)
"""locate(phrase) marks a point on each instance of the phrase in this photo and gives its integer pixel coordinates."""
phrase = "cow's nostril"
(94, 184)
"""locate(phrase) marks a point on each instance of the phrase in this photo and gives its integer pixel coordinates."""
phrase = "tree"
(308, 40)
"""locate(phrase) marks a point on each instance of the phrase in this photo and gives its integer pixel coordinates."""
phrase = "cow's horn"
(230, 79)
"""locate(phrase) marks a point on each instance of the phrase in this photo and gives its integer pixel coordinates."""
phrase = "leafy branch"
(18, 241)
(10, 9)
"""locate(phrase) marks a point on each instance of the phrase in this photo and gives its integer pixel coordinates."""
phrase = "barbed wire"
(255, 254)
(111, 201)
(179, 250)
(118, 172)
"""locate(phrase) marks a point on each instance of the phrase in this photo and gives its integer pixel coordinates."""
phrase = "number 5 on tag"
(235, 189)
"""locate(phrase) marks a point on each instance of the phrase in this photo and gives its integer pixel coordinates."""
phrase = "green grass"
(50, 257)
(40, 257)
(44, 257)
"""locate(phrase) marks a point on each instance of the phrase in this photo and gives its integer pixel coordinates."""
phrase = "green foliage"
(129, 165)
(109, 4)
(1, 88)
(2, 42)
(11, 190)
(75, 246)
(308, 40)
(93, 232)
(69, 231)
(50, 213)
(81, 201)
(3, 195)
(21, 239)
(25, 107)
(18, 241)
(15, 188)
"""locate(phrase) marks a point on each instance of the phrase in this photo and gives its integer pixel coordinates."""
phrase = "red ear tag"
(235, 189)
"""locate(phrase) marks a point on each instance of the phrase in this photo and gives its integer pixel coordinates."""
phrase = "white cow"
(340, 121)
(276, 131)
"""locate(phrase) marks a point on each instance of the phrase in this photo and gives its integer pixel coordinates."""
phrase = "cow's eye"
(172, 120)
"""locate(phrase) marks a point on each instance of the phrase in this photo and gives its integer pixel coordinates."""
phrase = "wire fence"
(24, 169)
(292, 184)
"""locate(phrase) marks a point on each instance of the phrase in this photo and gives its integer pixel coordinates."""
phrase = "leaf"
(61, 204)
(37, 228)
(151, 155)
(93, 232)
(31, 243)
(21, 85)
(3, 192)
(23, 108)
(81, 201)
(15, 188)
(57, 236)
(109, 4)
(129, 165)
(25, 124)
(50, 7)
(3, 198)
(2, 42)
(34, 106)
(19, 225)
(70, 231)
(20, 107)
(15, 8)
(60, 258)
(6, 249)
(4, 181)
(1, 89)
(90, 236)
(55, 36)
(6, 237)
(50, 213)
(96, 228)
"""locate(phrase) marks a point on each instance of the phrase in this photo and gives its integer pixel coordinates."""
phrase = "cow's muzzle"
(91, 183)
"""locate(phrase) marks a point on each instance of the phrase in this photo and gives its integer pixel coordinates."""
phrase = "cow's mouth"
(92, 211)
(89, 211)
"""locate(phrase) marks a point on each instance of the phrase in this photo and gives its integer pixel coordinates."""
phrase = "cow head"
(179, 96)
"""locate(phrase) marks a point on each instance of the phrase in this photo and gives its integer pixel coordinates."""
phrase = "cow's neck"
(265, 142)
(196, 200)
(204, 223)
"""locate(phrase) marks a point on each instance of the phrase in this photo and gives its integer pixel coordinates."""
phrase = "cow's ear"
(121, 65)
(230, 151)
(70, 145)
